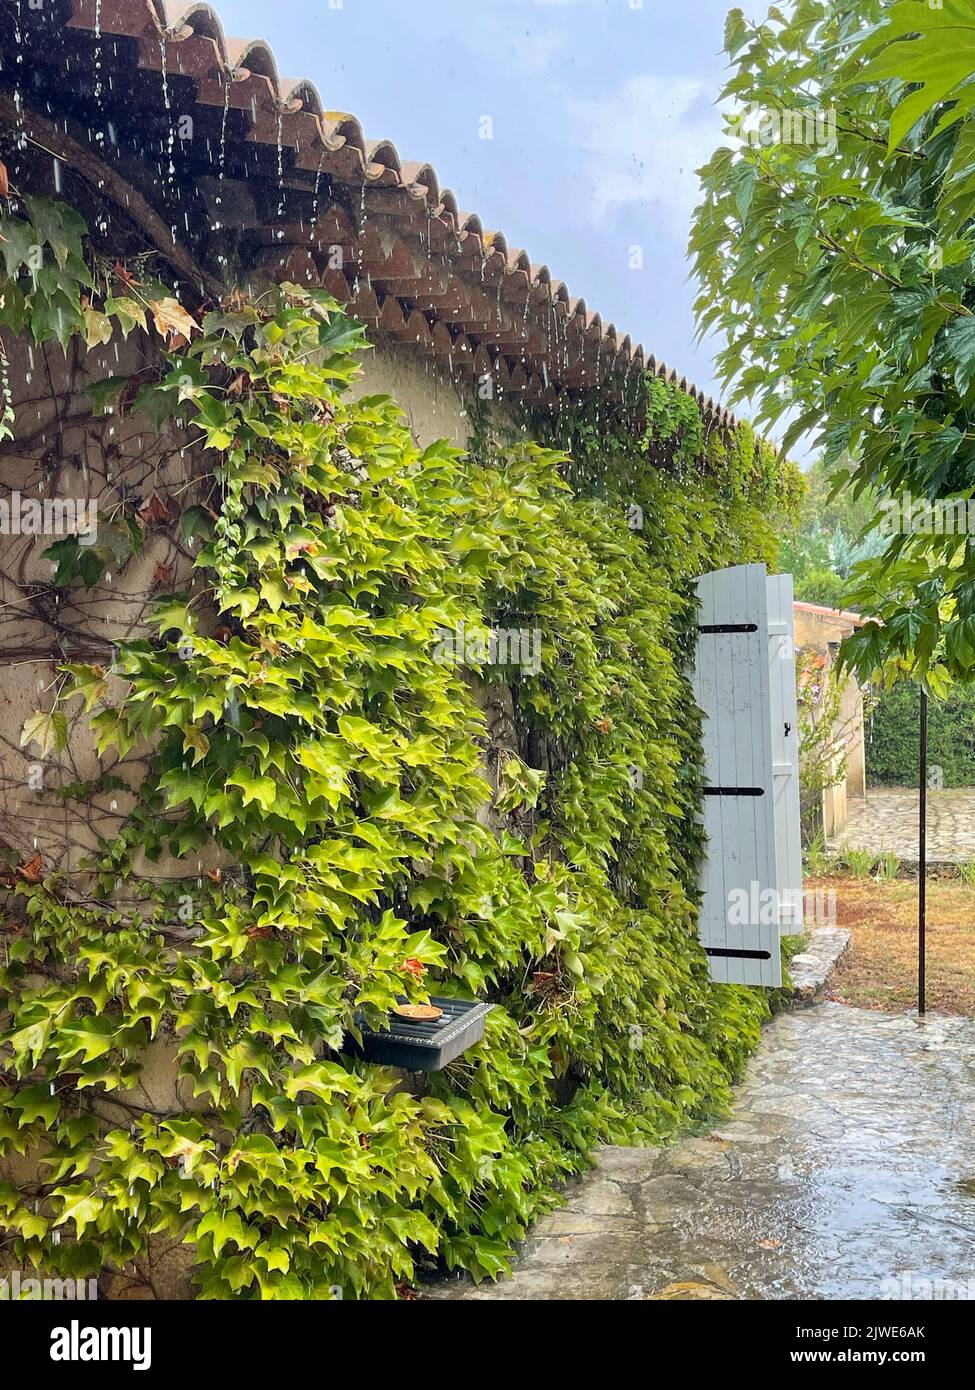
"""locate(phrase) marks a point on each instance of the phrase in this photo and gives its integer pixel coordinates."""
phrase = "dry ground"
(880, 969)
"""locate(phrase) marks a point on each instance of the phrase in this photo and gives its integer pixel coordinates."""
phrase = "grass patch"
(880, 969)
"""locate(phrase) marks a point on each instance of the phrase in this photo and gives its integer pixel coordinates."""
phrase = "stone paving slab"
(847, 1164)
(887, 819)
(812, 969)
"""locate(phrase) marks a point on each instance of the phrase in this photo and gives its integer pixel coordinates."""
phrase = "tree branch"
(104, 180)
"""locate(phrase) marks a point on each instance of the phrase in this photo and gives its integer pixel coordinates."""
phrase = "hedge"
(892, 738)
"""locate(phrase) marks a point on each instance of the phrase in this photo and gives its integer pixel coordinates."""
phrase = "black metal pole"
(922, 851)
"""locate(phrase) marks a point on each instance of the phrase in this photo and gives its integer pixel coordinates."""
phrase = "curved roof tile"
(482, 289)
(301, 89)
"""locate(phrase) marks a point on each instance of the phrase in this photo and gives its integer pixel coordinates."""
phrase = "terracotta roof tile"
(413, 266)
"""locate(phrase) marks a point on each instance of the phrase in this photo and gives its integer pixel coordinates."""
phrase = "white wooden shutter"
(739, 924)
(785, 752)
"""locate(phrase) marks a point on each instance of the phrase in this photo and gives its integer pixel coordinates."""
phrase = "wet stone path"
(886, 820)
(846, 1170)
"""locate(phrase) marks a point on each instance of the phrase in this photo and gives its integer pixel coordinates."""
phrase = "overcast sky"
(601, 111)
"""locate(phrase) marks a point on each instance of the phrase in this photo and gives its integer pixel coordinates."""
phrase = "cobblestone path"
(846, 1169)
(888, 820)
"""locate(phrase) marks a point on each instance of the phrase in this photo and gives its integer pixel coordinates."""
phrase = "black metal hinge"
(736, 955)
(727, 627)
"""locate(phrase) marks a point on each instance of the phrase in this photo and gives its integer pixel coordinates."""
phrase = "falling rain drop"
(280, 159)
(171, 138)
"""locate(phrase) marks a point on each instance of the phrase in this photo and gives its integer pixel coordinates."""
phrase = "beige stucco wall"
(821, 630)
(433, 405)
(62, 451)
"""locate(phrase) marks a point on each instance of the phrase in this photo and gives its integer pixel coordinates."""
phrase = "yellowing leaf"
(98, 328)
(89, 682)
(47, 729)
(129, 313)
(171, 319)
(82, 1208)
(195, 738)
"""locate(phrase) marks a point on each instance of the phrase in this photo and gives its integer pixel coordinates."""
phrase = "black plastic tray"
(417, 1045)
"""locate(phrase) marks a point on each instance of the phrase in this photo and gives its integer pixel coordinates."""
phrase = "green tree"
(834, 248)
(820, 585)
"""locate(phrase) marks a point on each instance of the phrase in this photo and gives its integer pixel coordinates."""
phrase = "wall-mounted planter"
(425, 1044)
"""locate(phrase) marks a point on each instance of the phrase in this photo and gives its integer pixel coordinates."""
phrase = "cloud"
(499, 43)
(642, 143)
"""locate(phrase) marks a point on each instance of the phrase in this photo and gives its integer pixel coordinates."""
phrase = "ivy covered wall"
(326, 815)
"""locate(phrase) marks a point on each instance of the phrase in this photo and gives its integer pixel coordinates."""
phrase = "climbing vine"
(673, 418)
(825, 731)
(377, 822)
